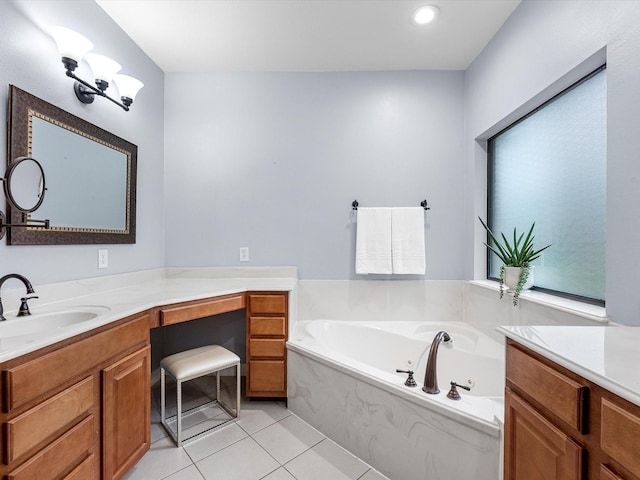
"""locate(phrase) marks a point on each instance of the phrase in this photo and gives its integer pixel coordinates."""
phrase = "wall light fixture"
(73, 47)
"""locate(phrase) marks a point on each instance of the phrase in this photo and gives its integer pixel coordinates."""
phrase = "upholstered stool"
(191, 364)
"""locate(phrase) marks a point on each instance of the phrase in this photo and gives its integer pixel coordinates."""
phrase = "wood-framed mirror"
(91, 175)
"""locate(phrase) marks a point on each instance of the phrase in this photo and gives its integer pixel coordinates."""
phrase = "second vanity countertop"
(137, 292)
(606, 355)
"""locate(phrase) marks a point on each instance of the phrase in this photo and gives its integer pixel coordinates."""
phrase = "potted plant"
(516, 259)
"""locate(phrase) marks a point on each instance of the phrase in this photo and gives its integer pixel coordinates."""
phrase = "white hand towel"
(373, 241)
(407, 240)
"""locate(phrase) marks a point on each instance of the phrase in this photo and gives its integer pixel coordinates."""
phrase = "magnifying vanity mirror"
(24, 184)
(90, 172)
(24, 187)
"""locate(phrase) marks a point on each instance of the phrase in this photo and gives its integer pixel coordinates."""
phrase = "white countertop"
(608, 356)
(125, 295)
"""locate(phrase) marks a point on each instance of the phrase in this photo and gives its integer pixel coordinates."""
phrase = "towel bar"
(423, 204)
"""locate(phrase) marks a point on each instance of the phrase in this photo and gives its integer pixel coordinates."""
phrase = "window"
(550, 167)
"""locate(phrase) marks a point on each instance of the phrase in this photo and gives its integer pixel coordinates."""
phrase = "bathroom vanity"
(71, 405)
(78, 408)
(572, 403)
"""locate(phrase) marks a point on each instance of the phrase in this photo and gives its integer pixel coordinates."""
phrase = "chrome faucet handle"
(453, 393)
(410, 380)
(24, 307)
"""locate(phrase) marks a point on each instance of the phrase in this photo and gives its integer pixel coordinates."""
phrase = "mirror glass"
(24, 184)
(99, 200)
(90, 173)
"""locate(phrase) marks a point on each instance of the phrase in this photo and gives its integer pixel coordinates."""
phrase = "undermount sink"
(20, 330)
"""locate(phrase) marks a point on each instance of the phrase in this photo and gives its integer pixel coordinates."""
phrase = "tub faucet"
(26, 282)
(430, 376)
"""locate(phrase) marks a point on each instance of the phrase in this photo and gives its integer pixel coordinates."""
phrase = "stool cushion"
(199, 361)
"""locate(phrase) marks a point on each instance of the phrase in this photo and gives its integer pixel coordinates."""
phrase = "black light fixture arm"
(85, 91)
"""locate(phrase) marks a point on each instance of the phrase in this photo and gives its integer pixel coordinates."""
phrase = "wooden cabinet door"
(126, 413)
(535, 449)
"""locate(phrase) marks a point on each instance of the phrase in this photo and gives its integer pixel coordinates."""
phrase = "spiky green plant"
(518, 253)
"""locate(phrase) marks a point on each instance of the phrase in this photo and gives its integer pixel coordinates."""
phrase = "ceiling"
(308, 35)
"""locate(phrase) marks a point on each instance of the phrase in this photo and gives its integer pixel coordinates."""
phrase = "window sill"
(574, 307)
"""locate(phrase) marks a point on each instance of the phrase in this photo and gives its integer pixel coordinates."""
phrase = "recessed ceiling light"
(426, 14)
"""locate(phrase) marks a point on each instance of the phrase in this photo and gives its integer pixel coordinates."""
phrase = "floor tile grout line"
(267, 426)
(281, 465)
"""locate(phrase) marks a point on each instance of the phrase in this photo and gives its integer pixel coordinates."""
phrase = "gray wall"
(273, 161)
(29, 60)
(538, 46)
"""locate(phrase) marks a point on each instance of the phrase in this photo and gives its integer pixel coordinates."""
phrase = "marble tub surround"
(131, 293)
(380, 300)
(394, 435)
(606, 355)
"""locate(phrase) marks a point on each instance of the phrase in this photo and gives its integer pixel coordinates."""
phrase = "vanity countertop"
(608, 356)
(117, 297)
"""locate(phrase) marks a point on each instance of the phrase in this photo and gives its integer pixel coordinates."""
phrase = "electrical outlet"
(103, 258)
(244, 254)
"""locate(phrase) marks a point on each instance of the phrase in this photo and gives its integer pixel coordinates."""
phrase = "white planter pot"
(512, 275)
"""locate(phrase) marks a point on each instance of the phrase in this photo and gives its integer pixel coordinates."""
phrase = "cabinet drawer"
(267, 377)
(29, 380)
(606, 474)
(60, 455)
(559, 394)
(266, 347)
(83, 471)
(267, 303)
(267, 326)
(201, 309)
(620, 435)
(36, 425)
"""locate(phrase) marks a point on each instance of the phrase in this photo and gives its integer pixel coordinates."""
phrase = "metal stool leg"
(162, 395)
(218, 385)
(179, 412)
(238, 382)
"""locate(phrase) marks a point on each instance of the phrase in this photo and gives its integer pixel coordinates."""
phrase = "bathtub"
(342, 380)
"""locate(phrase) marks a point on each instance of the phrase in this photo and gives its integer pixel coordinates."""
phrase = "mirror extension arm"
(29, 223)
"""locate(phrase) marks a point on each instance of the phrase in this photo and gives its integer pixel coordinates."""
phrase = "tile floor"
(267, 442)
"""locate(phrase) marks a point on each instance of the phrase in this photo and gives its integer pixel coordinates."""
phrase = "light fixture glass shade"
(128, 87)
(70, 43)
(426, 14)
(103, 68)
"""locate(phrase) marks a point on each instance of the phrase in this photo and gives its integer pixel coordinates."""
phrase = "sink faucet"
(430, 376)
(26, 282)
